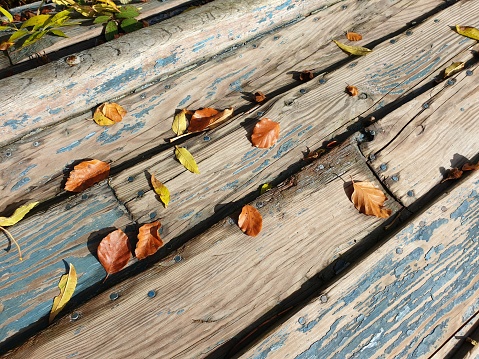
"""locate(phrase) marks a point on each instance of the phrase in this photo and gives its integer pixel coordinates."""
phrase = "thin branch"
(9, 235)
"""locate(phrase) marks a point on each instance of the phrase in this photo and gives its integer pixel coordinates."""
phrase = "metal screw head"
(259, 204)
(321, 167)
(425, 105)
(260, 113)
(398, 250)
(395, 178)
(167, 87)
(436, 20)
(322, 81)
(130, 179)
(409, 33)
(392, 41)
(178, 259)
(151, 294)
(84, 196)
(372, 133)
(141, 193)
(410, 193)
(451, 82)
(276, 38)
(303, 91)
(36, 144)
(143, 96)
(444, 208)
(206, 138)
(74, 316)
(114, 296)
(8, 154)
(363, 96)
(469, 72)
(323, 298)
(372, 157)
(230, 221)
(254, 46)
(152, 215)
(383, 167)
(301, 320)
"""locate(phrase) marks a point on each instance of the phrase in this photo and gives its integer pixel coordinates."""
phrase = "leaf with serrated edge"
(18, 215)
(353, 50)
(161, 190)
(353, 36)
(369, 200)
(179, 124)
(468, 31)
(67, 285)
(114, 252)
(250, 221)
(149, 240)
(186, 159)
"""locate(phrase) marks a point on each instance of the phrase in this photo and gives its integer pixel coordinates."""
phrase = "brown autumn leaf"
(259, 96)
(6, 45)
(250, 221)
(353, 36)
(470, 167)
(312, 155)
(369, 200)
(306, 75)
(108, 114)
(149, 240)
(352, 90)
(453, 173)
(114, 252)
(265, 133)
(86, 174)
(332, 144)
(208, 118)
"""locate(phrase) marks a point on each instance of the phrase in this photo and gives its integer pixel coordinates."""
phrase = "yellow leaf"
(108, 114)
(37, 20)
(453, 68)
(19, 213)
(67, 285)
(186, 159)
(110, 3)
(468, 31)
(64, 2)
(353, 50)
(161, 190)
(179, 123)
(265, 188)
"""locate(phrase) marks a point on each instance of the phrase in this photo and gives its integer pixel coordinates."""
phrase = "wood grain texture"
(403, 300)
(33, 165)
(225, 279)
(57, 91)
(416, 144)
(64, 233)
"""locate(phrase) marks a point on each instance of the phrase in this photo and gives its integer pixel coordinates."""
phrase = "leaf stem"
(180, 136)
(9, 235)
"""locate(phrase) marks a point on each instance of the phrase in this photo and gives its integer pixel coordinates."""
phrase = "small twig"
(180, 136)
(9, 235)
(40, 7)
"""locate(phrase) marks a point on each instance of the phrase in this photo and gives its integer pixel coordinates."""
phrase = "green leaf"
(111, 30)
(60, 18)
(186, 159)
(18, 35)
(353, 50)
(18, 215)
(67, 285)
(161, 190)
(57, 32)
(265, 188)
(3, 28)
(468, 31)
(102, 19)
(7, 14)
(37, 20)
(179, 122)
(37, 35)
(130, 25)
(128, 12)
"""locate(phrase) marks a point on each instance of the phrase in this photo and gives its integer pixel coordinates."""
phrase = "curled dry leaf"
(306, 75)
(6, 45)
(250, 221)
(332, 144)
(186, 159)
(453, 68)
(259, 96)
(114, 252)
(67, 285)
(353, 50)
(470, 167)
(179, 122)
(86, 174)
(161, 190)
(353, 36)
(312, 155)
(108, 114)
(208, 118)
(453, 173)
(265, 188)
(265, 133)
(149, 240)
(369, 200)
(468, 31)
(352, 90)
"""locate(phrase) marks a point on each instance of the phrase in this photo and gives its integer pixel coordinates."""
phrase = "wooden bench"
(321, 280)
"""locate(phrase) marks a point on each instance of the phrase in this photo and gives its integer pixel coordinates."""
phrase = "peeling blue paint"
(285, 147)
(116, 83)
(184, 101)
(105, 137)
(201, 44)
(309, 128)
(20, 183)
(54, 111)
(231, 185)
(26, 170)
(71, 85)
(15, 124)
(76, 143)
(187, 214)
(236, 85)
(263, 165)
(425, 233)
(284, 5)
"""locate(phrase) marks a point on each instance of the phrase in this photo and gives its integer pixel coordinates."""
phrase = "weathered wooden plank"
(223, 280)
(58, 91)
(415, 145)
(403, 300)
(231, 168)
(34, 165)
(63, 233)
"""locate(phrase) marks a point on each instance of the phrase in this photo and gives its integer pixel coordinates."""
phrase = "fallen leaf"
(161, 190)
(352, 90)
(468, 31)
(108, 114)
(306, 75)
(265, 133)
(470, 167)
(332, 144)
(114, 252)
(5, 45)
(265, 188)
(311, 155)
(259, 97)
(18, 215)
(353, 50)
(353, 36)
(453, 173)
(369, 200)
(148, 240)
(186, 159)
(179, 122)
(453, 68)
(67, 285)
(208, 118)
(250, 221)
(86, 174)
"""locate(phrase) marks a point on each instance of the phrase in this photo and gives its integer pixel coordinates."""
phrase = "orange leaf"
(453, 173)
(265, 133)
(352, 90)
(369, 200)
(353, 36)
(148, 240)
(86, 174)
(6, 45)
(208, 118)
(306, 75)
(259, 96)
(114, 252)
(470, 167)
(332, 144)
(250, 221)
(108, 114)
